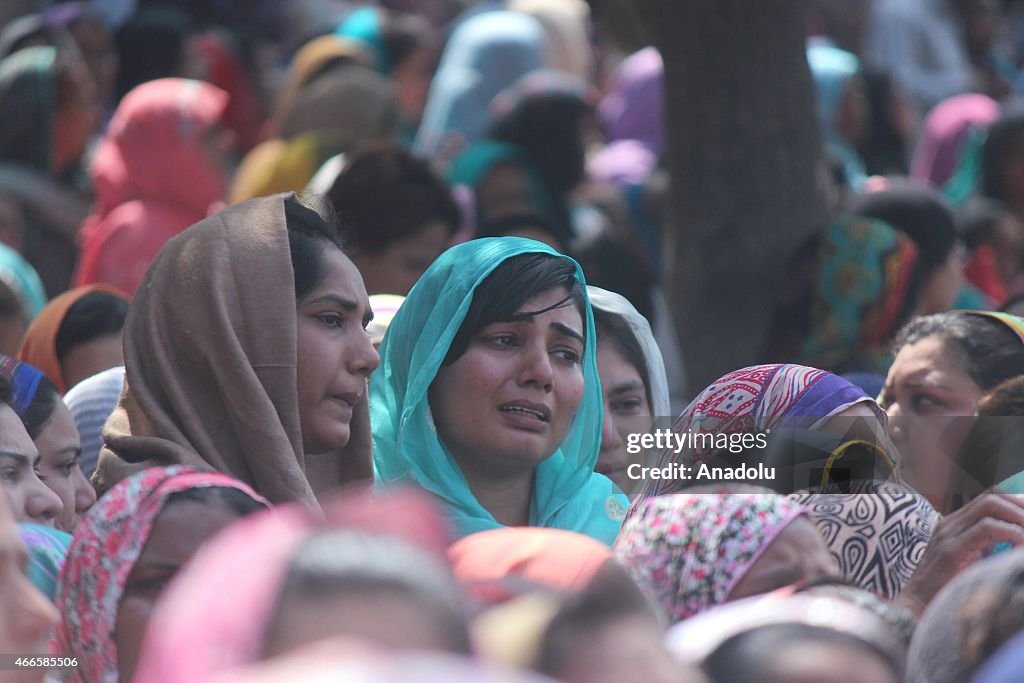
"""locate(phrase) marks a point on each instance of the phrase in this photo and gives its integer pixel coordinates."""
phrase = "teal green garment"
(22, 279)
(1014, 484)
(471, 167)
(966, 178)
(47, 550)
(970, 298)
(567, 493)
(364, 25)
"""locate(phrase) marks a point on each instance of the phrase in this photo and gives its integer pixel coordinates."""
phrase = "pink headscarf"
(945, 132)
(218, 608)
(153, 178)
(106, 545)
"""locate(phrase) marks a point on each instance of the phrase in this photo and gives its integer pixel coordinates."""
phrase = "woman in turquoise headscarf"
(842, 106)
(504, 184)
(488, 394)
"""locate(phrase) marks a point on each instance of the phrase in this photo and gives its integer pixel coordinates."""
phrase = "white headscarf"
(657, 381)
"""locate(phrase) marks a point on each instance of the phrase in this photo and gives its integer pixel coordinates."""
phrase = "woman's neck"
(507, 497)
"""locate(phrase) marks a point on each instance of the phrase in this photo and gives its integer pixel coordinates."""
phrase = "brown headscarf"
(349, 105)
(210, 364)
(39, 347)
(313, 59)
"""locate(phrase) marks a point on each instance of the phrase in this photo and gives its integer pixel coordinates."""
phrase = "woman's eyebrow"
(625, 387)
(567, 331)
(340, 302)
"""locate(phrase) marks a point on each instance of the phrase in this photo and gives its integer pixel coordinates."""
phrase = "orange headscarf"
(551, 558)
(39, 348)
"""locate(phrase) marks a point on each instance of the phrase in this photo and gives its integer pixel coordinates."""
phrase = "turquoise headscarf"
(567, 493)
(47, 550)
(832, 69)
(364, 25)
(23, 281)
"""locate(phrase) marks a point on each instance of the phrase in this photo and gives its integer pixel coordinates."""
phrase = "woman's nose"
(42, 503)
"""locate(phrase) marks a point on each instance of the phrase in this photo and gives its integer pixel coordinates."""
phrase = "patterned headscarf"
(691, 550)
(757, 399)
(877, 538)
(860, 293)
(106, 545)
(47, 549)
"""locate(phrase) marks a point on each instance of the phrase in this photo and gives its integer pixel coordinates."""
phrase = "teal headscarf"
(364, 25)
(567, 493)
(23, 281)
(47, 550)
(471, 166)
(832, 69)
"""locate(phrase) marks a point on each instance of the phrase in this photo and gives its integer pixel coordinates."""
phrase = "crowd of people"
(334, 346)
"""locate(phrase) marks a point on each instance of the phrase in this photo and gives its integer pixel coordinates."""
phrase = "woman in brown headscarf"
(245, 351)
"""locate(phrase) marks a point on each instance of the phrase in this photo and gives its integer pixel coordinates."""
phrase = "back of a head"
(385, 194)
(1002, 145)
(336, 568)
(919, 212)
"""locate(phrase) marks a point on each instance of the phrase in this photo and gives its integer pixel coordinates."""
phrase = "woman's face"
(412, 83)
(505, 190)
(507, 403)
(626, 411)
(926, 389)
(60, 449)
(397, 268)
(32, 501)
(797, 554)
(176, 535)
(335, 355)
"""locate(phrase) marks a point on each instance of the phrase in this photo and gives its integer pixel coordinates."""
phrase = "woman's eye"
(922, 403)
(67, 468)
(503, 340)
(627, 406)
(568, 355)
(10, 474)
(330, 319)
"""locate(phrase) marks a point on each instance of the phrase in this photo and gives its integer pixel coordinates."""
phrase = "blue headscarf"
(832, 70)
(24, 380)
(567, 493)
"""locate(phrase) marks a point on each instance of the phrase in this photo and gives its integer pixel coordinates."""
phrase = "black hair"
(6, 391)
(618, 263)
(1003, 142)
(978, 219)
(744, 658)
(40, 409)
(310, 231)
(617, 332)
(95, 315)
(386, 193)
(511, 225)
(236, 500)
(583, 615)
(510, 285)
(403, 34)
(989, 351)
(344, 562)
(884, 149)
(151, 46)
(919, 212)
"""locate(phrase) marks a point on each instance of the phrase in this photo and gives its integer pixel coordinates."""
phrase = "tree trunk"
(745, 155)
